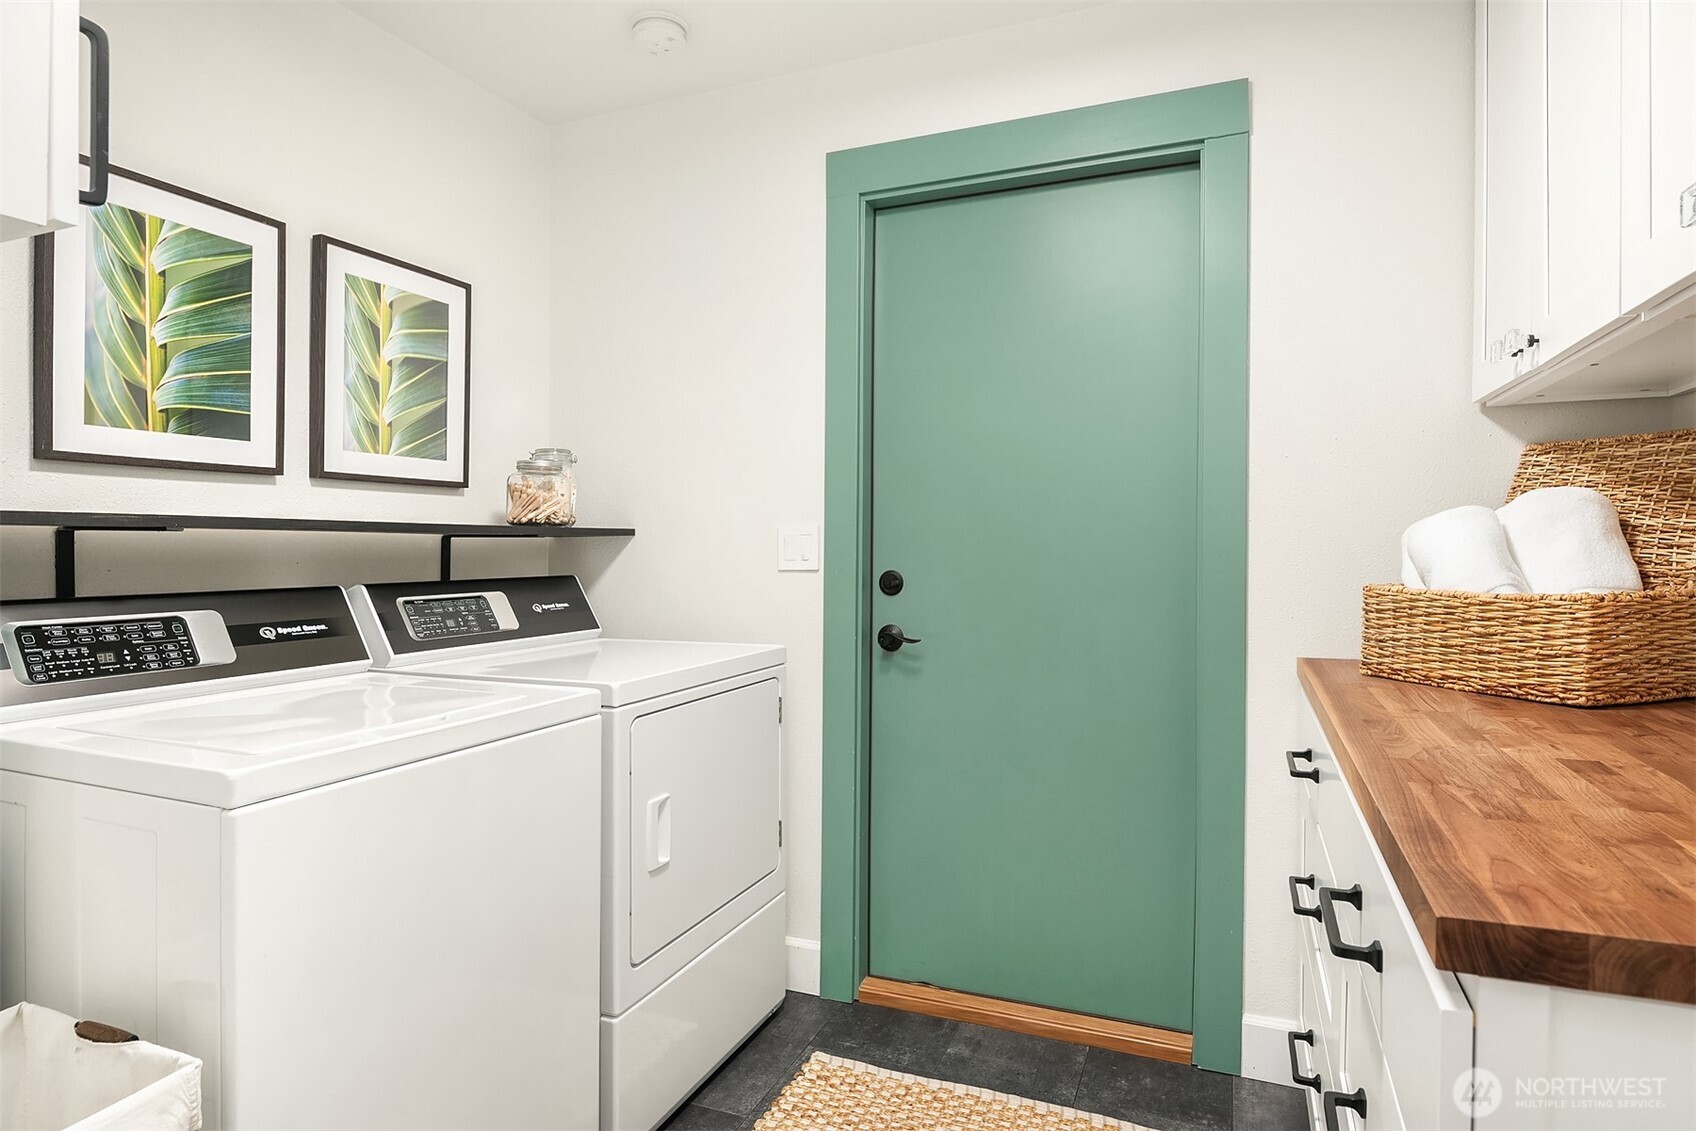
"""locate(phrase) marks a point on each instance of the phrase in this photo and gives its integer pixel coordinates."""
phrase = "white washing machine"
(692, 950)
(364, 900)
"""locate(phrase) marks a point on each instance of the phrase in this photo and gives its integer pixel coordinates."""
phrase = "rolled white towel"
(1568, 540)
(1410, 575)
(1463, 548)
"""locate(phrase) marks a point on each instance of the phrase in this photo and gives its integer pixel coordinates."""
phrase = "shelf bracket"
(64, 562)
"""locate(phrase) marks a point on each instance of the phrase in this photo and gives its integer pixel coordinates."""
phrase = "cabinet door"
(39, 174)
(1581, 245)
(1658, 164)
(1510, 179)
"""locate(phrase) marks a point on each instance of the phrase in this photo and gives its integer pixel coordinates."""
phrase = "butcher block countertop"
(1544, 844)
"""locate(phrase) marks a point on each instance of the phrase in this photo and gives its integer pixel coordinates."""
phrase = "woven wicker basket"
(1580, 649)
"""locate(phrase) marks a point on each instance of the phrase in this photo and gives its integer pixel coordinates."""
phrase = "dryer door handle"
(659, 832)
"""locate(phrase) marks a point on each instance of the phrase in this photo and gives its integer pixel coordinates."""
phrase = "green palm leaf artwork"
(170, 308)
(395, 380)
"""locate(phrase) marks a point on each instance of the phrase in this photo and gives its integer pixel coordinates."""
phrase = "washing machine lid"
(623, 671)
(239, 747)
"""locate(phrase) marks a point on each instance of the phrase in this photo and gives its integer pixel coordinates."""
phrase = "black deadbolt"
(891, 582)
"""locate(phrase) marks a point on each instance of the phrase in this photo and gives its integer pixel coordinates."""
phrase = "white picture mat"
(339, 262)
(70, 299)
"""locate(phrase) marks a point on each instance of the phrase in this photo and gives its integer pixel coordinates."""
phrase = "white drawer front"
(1366, 1074)
(1329, 971)
(1322, 1057)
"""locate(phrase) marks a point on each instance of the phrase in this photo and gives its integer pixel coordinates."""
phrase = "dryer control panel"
(414, 621)
(454, 615)
(54, 651)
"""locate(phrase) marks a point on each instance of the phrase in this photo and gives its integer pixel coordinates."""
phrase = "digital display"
(437, 618)
(53, 653)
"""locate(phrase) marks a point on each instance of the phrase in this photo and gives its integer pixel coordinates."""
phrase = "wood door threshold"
(1035, 1020)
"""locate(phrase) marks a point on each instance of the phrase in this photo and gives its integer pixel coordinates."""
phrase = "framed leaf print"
(159, 333)
(391, 369)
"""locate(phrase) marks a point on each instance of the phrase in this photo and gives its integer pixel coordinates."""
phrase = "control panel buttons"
(441, 617)
(55, 652)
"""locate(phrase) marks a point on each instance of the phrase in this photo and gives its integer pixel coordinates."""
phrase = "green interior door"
(1035, 373)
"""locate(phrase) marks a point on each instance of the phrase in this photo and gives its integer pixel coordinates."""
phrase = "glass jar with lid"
(540, 491)
(567, 463)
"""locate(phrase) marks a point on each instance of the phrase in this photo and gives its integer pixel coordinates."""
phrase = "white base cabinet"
(1552, 1059)
(1422, 1049)
(1395, 1034)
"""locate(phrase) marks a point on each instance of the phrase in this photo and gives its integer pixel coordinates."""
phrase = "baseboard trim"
(1036, 1020)
(803, 965)
(1266, 1049)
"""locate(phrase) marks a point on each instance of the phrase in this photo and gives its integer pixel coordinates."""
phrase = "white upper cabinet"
(1586, 126)
(1658, 152)
(1510, 179)
(1578, 244)
(40, 64)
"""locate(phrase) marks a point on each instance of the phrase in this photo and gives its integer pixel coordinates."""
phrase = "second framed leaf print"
(391, 369)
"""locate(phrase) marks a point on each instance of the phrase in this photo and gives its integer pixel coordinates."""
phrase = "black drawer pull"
(1312, 771)
(1297, 882)
(1303, 1037)
(1372, 953)
(1355, 1101)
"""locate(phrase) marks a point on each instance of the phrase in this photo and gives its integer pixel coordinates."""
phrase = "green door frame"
(1206, 126)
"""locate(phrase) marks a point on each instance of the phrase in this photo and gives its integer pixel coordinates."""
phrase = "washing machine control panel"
(450, 615)
(56, 651)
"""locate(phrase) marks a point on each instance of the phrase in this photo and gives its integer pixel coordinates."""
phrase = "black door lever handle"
(890, 638)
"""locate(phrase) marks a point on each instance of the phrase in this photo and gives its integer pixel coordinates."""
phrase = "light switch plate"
(798, 547)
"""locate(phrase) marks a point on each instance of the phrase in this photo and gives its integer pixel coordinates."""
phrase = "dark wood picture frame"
(42, 342)
(321, 245)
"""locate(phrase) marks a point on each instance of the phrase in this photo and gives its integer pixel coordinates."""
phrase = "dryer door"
(703, 810)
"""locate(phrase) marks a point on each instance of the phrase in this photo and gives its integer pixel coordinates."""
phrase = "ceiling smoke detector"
(659, 33)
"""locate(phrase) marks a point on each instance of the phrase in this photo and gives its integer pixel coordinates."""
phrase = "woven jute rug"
(845, 1095)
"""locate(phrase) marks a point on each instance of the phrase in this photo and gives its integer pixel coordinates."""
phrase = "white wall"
(309, 114)
(689, 339)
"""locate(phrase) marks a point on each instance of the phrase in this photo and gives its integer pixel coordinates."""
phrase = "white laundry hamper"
(51, 1079)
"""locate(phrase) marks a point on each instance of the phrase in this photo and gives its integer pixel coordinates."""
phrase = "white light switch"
(798, 547)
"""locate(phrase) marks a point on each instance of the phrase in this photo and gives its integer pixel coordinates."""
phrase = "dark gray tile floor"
(1167, 1097)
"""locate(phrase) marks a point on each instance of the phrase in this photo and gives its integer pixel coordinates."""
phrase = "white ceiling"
(564, 59)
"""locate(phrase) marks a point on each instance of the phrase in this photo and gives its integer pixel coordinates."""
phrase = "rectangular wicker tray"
(1580, 649)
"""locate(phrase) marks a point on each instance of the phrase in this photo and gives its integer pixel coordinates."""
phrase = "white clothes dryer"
(359, 898)
(692, 898)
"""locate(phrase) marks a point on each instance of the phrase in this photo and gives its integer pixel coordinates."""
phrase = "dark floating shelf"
(67, 524)
(84, 520)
